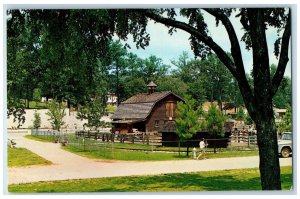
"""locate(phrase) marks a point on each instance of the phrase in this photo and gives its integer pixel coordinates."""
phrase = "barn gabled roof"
(140, 106)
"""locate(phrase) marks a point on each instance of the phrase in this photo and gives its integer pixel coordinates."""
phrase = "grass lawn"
(98, 150)
(18, 157)
(41, 139)
(118, 154)
(37, 105)
(228, 180)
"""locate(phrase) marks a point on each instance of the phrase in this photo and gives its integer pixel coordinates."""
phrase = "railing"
(106, 144)
(138, 137)
(50, 135)
(243, 140)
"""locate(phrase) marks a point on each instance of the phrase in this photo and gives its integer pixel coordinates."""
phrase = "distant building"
(279, 112)
(147, 112)
(112, 99)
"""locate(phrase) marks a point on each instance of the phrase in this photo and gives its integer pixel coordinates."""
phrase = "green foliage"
(286, 124)
(110, 108)
(37, 95)
(133, 85)
(15, 108)
(215, 121)
(173, 84)
(153, 68)
(56, 112)
(248, 120)
(241, 114)
(93, 111)
(207, 79)
(37, 120)
(187, 119)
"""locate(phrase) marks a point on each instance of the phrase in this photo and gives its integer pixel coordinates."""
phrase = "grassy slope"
(18, 157)
(227, 180)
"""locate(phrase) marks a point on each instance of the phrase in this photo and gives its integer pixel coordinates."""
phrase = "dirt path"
(67, 165)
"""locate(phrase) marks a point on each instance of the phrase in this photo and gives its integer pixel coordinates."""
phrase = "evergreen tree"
(37, 120)
(215, 122)
(187, 121)
(241, 114)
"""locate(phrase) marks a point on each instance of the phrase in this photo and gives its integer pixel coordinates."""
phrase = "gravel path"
(67, 165)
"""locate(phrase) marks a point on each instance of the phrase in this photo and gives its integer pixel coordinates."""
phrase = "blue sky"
(170, 47)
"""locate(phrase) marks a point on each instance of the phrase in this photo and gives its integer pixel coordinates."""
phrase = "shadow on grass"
(231, 180)
(190, 182)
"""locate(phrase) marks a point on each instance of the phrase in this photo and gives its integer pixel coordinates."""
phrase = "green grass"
(117, 154)
(37, 105)
(142, 152)
(40, 138)
(227, 180)
(111, 109)
(18, 157)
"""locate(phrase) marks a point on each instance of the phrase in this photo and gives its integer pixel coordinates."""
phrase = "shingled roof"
(139, 106)
(146, 98)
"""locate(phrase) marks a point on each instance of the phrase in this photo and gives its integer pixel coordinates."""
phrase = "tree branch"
(204, 38)
(235, 46)
(283, 58)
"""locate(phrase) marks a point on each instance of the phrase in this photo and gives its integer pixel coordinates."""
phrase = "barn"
(147, 112)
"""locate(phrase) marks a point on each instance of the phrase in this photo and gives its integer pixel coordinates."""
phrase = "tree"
(173, 84)
(207, 78)
(217, 78)
(37, 95)
(58, 51)
(240, 115)
(258, 100)
(92, 112)
(283, 97)
(56, 112)
(214, 122)
(286, 123)
(37, 120)
(153, 68)
(187, 120)
(132, 86)
(248, 120)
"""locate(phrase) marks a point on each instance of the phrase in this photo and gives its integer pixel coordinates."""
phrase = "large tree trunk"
(263, 115)
(268, 150)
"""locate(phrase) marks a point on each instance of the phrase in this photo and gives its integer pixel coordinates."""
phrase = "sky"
(169, 47)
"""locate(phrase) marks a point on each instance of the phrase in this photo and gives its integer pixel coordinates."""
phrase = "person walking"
(202, 146)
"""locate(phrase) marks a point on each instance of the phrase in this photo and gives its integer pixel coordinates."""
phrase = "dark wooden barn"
(146, 112)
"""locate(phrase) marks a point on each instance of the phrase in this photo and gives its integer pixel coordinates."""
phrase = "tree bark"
(264, 116)
(268, 151)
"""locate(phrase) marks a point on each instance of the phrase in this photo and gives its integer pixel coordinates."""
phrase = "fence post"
(248, 141)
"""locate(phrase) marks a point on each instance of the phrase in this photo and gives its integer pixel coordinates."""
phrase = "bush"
(37, 120)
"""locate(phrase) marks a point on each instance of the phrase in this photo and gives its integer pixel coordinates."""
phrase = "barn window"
(156, 123)
(170, 109)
